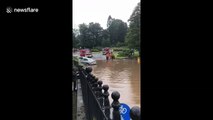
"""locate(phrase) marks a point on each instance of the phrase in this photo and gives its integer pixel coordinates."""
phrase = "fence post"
(90, 78)
(80, 67)
(135, 113)
(88, 70)
(95, 85)
(116, 104)
(88, 75)
(106, 101)
(93, 77)
(99, 93)
(92, 81)
(99, 89)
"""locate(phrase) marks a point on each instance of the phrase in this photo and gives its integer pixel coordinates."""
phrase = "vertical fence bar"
(91, 92)
(116, 104)
(135, 113)
(106, 101)
(99, 93)
(97, 103)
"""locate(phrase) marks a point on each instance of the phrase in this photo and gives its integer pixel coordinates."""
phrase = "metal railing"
(96, 102)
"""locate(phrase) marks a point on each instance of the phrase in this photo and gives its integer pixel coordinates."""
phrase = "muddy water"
(122, 76)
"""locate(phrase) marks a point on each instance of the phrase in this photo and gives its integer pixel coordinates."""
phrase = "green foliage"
(132, 38)
(117, 49)
(105, 34)
(75, 61)
(105, 42)
(119, 44)
(109, 21)
(96, 33)
(98, 48)
(124, 53)
(136, 54)
(85, 36)
(117, 31)
(95, 50)
(75, 38)
(93, 35)
(121, 54)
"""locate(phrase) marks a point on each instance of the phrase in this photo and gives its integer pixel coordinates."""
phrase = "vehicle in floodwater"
(87, 61)
(106, 50)
(86, 53)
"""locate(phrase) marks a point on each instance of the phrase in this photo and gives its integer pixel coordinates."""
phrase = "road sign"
(124, 111)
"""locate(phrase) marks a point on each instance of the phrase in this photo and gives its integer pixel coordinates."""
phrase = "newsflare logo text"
(19, 10)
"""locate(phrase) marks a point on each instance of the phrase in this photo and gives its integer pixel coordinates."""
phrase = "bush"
(124, 53)
(75, 61)
(119, 44)
(121, 54)
(98, 48)
(117, 49)
(136, 54)
(95, 50)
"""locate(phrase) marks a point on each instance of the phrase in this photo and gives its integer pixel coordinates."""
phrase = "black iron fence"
(96, 102)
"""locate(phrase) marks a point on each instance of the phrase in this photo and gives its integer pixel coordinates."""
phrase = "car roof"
(87, 58)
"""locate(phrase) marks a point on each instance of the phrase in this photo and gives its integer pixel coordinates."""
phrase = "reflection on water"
(122, 76)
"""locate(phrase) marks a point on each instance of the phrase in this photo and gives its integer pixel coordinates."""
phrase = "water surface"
(122, 76)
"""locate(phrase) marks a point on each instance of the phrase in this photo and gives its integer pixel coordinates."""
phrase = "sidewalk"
(78, 105)
(74, 105)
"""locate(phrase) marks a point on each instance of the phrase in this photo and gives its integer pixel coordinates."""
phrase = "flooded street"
(122, 76)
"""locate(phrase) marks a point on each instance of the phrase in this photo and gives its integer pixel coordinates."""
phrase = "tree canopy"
(133, 35)
(90, 35)
(75, 38)
(117, 33)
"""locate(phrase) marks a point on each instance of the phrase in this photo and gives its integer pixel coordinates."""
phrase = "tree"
(105, 42)
(85, 36)
(75, 38)
(96, 31)
(105, 34)
(117, 30)
(91, 35)
(109, 21)
(133, 35)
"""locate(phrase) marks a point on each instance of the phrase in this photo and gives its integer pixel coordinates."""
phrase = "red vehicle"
(82, 53)
(86, 53)
(106, 50)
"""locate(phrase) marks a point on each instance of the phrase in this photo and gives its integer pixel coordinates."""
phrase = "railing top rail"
(84, 73)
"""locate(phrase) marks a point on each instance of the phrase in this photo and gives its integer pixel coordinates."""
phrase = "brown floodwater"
(122, 76)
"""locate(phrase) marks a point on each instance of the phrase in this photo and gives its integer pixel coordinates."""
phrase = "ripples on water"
(122, 76)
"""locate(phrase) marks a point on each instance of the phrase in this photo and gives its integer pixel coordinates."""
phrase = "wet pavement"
(78, 109)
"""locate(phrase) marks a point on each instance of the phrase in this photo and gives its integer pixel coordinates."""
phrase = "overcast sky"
(86, 11)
